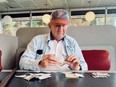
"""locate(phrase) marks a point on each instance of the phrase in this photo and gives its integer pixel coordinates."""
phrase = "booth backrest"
(97, 59)
(85, 36)
(25, 35)
(0, 60)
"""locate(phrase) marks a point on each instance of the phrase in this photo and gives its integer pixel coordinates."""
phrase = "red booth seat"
(0, 60)
(97, 59)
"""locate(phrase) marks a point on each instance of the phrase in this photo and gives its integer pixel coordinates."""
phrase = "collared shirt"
(58, 50)
(29, 60)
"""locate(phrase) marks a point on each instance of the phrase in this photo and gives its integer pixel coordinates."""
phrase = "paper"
(73, 75)
(29, 76)
(100, 75)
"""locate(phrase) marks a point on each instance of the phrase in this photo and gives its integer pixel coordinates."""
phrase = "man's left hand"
(73, 62)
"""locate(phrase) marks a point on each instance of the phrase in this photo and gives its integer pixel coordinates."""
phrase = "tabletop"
(58, 79)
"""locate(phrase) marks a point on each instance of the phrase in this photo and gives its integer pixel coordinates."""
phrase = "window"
(77, 19)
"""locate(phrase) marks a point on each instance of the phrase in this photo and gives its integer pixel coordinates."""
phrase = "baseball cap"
(59, 16)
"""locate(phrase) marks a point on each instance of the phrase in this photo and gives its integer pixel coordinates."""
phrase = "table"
(58, 79)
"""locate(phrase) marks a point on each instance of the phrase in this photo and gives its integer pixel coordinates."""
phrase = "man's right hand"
(49, 60)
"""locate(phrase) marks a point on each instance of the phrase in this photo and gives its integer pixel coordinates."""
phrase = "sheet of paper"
(73, 75)
(100, 75)
(30, 76)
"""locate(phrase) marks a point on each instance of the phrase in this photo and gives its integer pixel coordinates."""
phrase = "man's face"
(58, 30)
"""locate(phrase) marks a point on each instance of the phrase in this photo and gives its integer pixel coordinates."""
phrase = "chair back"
(97, 59)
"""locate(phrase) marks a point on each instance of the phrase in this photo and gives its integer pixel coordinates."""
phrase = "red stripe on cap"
(59, 21)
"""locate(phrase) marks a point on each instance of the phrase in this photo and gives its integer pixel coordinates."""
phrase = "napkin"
(30, 76)
(100, 75)
(73, 75)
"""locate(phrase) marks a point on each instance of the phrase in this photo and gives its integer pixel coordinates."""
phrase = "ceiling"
(38, 5)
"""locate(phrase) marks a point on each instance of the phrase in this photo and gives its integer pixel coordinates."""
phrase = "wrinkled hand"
(73, 62)
(49, 60)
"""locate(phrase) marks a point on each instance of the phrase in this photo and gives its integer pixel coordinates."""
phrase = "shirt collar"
(50, 37)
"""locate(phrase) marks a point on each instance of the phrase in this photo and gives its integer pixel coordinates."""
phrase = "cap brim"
(59, 21)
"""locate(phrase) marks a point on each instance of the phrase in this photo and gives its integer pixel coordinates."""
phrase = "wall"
(8, 45)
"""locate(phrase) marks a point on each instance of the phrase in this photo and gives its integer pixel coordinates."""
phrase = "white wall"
(8, 45)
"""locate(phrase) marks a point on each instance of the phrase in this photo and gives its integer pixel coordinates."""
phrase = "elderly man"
(55, 50)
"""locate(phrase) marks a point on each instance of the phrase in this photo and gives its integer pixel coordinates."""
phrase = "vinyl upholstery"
(97, 59)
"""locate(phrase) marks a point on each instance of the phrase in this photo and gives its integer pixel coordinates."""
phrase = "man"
(55, 50)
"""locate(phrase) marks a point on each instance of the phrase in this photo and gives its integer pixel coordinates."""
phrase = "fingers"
(72, 59)
(49, 60)
(51, 57)
(74, 62)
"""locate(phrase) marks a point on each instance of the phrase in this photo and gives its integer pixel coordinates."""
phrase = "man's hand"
(73, 62)
(49, 60)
